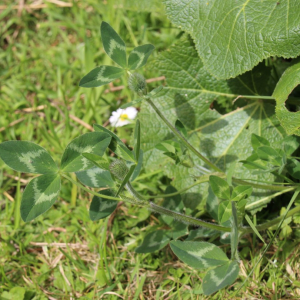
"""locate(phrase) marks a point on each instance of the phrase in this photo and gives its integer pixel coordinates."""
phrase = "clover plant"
(234, 163)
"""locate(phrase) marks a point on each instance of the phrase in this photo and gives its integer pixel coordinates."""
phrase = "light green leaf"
(113, 45)
(167, 146)
(288, 81)
(220, 187)
(234, 36)
(27, 157)
(39, 195)
(96, 178)
(224, 212)
(133, 103)
(258, 141)
(269, 154)
(116, 144)
(139, 56)
(293, 167)
(241, 191)
(100, 76)
(153, 241)
(101, 208)
(220, 277)
(97, 160)
(91, 142)
(223, 139)
(199, 255)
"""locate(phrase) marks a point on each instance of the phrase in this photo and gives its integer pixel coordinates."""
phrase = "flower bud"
(119, 169)
(137, 83)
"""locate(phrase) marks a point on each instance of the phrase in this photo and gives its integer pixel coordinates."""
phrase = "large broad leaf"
(234, 36)
(96, 178)
(91, 142)
(39, 195)
(113, 45)
(27, 157)
(101, 208)
(288, 81)
(218, 278)
(199, 255)
(223, 139)
(154, 241)
(100, 76)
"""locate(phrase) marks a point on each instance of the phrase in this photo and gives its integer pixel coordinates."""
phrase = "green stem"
(256, 97)
(261, 186)
(204, 178)
(187, 219)
(178, 135)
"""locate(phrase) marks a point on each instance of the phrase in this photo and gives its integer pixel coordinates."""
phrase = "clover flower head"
(122, 117)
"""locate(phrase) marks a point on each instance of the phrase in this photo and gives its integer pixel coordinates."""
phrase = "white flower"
(122, 117)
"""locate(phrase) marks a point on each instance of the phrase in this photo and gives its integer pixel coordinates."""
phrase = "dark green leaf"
(113, 45)
(220, 187)
(154, 241)
(139, 56)
(269, 154)
(91, 142)
(258, 141)
(100, 76)
(96, 178)
(116, 144)
(39, 195)
(173, 203)
(101, 208)
(177, 230)
(180, 127)
(220, 277)
(293, 167)
(201, 233)
(27, 157)
(199, 255)
(224, 212)
(241, 191)
(97, 160)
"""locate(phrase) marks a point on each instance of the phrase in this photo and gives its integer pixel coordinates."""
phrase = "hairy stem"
(178, 135)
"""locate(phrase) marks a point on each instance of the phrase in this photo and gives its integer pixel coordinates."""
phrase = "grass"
(63, 255)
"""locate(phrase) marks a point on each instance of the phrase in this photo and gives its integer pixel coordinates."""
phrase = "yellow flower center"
(123, 117)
